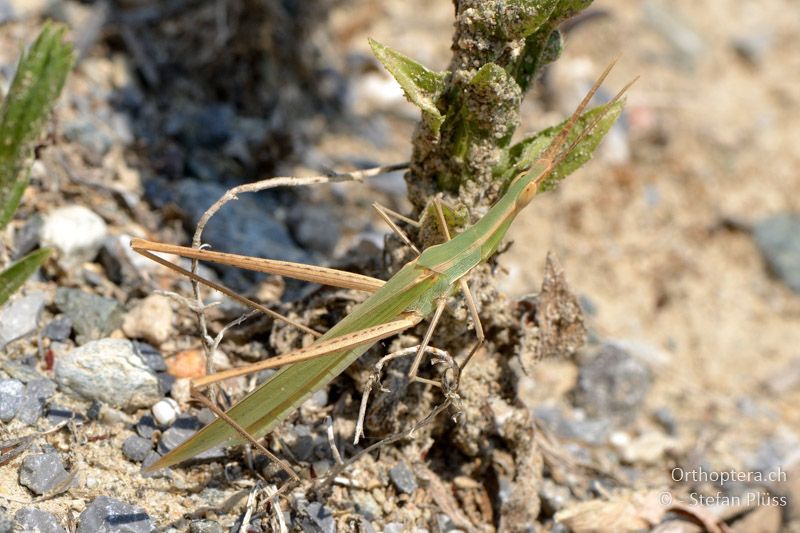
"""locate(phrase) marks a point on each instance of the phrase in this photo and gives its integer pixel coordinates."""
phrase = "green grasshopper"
(419, 290)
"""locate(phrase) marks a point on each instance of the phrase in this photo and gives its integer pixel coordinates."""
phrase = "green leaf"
(525, 152)
(14, 276)
(421, 86)
(37, 83)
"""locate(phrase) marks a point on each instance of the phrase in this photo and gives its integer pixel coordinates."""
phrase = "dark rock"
(93, 317)
(146, 426)
(37, 392)
(205, 526)
(243, 227)
(107, 515)
(151, 458)
(366, 505)
(108, 370)
(12, 393)
(6, 523)
(403, 478)
(209, 127)
(88, 135)
(613, 384)
(58, 329)
(136, 448)
(301, 441)
(666, 419)
(20, 317)
(93, 413)
(184, 427)
(165, 382)
(778, 238)
(590, 431)
(43, 473)
(150, 355)
(29, 519)
(318, 519)
(315, 229)
(26, 239)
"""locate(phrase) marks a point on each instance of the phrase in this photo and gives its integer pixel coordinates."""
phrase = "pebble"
(318, 519)
(88, 135)
(76, 232)
(554, 496)
(109, 370)
(244, 227)
(589, 431)
(20, 317)
(205, 526)
(403, 478)
(107, 515)
(315, 229)
(366, 505)
(146, 426)
(394, 527)
(136, 448)
(6, 524)
(151, 320)
(150, 356)
(187, 364)
(93, 317)
(613, 384)
(43, 472)
(648, 448)
(184, 427)
(37, 392)
(778, 238)
(165, 411)
(12, 392)
(59, 329)
(208, 127)
(301, 441)
(30, 519)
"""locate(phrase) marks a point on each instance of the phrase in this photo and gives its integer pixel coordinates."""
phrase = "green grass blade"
(14, 276)
(40, 76)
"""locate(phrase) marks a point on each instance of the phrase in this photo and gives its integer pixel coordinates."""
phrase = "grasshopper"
(417, 291)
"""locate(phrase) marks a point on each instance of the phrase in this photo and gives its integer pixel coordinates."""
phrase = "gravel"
(93, 317)
(20, 317)
(107, 515)
(29, 519)
(76, 232)
(43, 473)
(12, 392)
(109, 370)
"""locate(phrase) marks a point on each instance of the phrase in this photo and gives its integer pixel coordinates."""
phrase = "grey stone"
(300, 440)
(146, 426)
(778, 238)
(554, 497)
(205, 526)
(12, 392)
(184, 427)
(93, 317)
(594, 431)
(315, 229)
(43, 472)
(366, 505)
(246, 228)
(29, 519)
(150, 356)
(58, 329)
(136, 448)
(76, 232)
(37, 392)
(318, 519)
(403, 478)
(89, 135)
(6, 523)
(394, 527)
(20, 317)
(613, 384)
(208, 127)
(107, 515)
(108, 370)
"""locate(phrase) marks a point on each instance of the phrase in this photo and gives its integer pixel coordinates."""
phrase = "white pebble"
(77, 232)
(166, 411)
